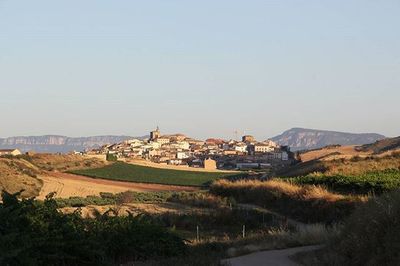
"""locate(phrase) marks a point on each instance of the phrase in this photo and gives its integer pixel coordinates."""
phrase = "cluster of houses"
(179, 149)
(9, 152)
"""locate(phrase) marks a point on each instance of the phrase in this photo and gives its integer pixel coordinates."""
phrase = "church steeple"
(155, 134)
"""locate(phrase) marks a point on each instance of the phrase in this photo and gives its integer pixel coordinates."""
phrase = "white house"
(182, 155)
(241, 148)
(13, 152)
(163, 140)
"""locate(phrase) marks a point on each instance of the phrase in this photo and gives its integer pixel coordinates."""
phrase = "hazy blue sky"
(205, 68)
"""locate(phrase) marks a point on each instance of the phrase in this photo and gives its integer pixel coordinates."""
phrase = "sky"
(204, 68)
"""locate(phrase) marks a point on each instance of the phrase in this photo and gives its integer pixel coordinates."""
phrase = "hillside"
(54, 143)
(306, 139)
(17, 175)
(25, 172)
(354, 166)
(381, 146)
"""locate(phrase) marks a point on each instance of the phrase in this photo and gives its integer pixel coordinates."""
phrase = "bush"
(111, 157)
(201, 199)
(371, 235)
(35, 233)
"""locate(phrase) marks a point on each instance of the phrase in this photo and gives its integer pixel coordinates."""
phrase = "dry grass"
(276, 238)
(17, 175)
(23, 172)
(350, 166)
(309, 192)
(361, 166)
(331, 153)
(306, 203)
(64, 162)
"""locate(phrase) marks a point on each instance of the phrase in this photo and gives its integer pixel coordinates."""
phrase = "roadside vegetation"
(370, 236)
(307, 203)
(143, 174)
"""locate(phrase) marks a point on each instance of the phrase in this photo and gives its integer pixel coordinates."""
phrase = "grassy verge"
(136, 173)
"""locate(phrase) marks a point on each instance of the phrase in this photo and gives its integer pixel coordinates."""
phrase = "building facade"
(13, 152)
(248, 139)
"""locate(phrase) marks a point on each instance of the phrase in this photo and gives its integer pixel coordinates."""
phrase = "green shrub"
(201, 199)
(197, 199)
(111, 157)
(36, 233)
(376, 181)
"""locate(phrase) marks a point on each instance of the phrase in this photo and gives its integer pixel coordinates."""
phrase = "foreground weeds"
(370, 236)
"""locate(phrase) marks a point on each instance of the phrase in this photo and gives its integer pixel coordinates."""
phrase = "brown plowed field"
(68, 185)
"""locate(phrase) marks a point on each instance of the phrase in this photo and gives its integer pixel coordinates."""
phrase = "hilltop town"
(178, 149)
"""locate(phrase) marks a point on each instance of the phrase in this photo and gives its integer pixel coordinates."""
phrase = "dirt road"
(68, 185)
(269, 258)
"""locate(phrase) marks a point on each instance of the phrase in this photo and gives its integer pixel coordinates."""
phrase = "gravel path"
(271, 257)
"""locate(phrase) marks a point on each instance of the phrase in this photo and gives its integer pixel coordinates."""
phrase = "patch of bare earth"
(68, 185)
(332, 153)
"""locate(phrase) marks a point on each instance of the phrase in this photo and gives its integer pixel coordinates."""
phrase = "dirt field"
(327, 154)
(68, 185)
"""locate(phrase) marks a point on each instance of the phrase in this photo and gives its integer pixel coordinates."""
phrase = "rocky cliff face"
(305, 139)
(53, 143)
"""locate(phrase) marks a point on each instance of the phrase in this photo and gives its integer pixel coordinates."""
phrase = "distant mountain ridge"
(55, 143)
(296, 138)
(306, 139)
